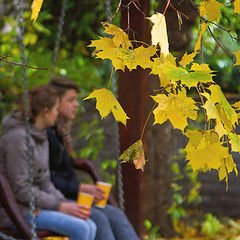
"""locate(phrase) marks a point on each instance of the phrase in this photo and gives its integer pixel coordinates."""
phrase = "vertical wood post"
(133, 96)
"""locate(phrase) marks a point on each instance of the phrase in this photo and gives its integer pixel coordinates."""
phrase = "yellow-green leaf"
(238, 57)
(217, 96)
(203, 27)
(135, 154)
(120, 38)
(175, 107)
(159, 32)
(237, 6)
(188, 58)
(228, 166)
(107, 103)
(198, 73)
(235, 142)
(36, 7)
(211, 9)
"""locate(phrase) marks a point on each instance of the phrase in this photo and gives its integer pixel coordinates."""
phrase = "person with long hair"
(53, 211)
(112, 223)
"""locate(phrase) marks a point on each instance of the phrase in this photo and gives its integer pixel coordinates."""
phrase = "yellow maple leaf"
(235, 142)
(203, 27)
(139, 56)
(198, 73)
(36, 7)
(135, 154)
(187, 58)
(107, 103)
(120, 38)
(226, 112)
(204, 150)
(160, 64)
(210, 8)
(237, 6)
(238, 57)
(159, 32)
(102, 43)
(228, 165)
(237, 106)
(175, 107)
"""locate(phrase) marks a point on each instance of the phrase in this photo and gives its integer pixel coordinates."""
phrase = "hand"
(97, 192)
(75, 209)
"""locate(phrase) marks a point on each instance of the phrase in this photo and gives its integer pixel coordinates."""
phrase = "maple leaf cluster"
(206, 149)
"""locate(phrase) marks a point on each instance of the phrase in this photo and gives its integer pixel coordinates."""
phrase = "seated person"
(111, 222)
(53, 211)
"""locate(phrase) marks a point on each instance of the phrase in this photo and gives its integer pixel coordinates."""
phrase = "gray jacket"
(14, 165)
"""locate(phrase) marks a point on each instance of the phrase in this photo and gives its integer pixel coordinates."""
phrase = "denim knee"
(81, 231)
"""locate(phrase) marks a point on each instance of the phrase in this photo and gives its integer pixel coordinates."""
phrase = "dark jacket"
(61, 166)
(14, 165)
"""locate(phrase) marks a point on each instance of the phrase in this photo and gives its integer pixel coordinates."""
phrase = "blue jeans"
(64, 224)
(112, 224)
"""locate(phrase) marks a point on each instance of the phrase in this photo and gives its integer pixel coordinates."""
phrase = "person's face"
(52, 114)
(68, 105)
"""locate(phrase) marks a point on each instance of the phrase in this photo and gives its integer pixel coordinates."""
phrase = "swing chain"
(116, 128)
(59, 35)
(5, 237)
(26, 116)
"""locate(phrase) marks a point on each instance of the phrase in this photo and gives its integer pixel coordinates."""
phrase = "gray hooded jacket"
(14, 165)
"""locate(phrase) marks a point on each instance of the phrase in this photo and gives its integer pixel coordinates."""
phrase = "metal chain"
(5, 237)
(59, 35)
(116, 128)
(26, 116)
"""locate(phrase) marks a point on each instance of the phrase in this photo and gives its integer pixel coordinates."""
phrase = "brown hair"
(40, 97)
(63, 84)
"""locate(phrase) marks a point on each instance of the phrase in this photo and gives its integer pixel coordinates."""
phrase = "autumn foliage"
(208, 148)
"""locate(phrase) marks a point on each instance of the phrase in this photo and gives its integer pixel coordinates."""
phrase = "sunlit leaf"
(107, 103)
(159, 32)
(204, 150)
(135, 154)
(235, 142)
(198, 73)
(237, 6)
(120, 38)
(176, 108)
(36, 7)
(226, 111)
(238, 57)
(211, 9)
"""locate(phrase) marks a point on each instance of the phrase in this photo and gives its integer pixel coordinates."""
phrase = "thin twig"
(219, 26)
(20, 64)
(179, 11)
(116, 12)
(219, 44)
(139, 8)
(168, 2)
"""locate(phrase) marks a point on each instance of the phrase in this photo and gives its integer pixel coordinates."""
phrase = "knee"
(99, 217)
(93, 228)
(82, 231)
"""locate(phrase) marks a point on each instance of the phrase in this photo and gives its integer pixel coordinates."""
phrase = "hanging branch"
(219, 26)
(20, 64)
(116, 12)
(219, 44)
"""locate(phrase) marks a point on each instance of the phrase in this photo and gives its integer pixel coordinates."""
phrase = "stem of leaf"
(205, 114)
(110, 80)
(145, 124)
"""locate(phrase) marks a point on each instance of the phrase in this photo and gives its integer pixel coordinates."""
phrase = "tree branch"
(20, 64)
